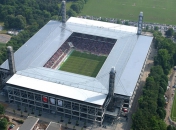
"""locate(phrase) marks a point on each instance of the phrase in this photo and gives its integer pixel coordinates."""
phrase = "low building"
(29, 124)
(54, 126)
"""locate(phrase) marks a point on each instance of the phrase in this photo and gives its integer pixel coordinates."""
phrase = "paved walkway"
(44, 118)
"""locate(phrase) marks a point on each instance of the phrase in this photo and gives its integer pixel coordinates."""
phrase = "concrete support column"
(11, 60)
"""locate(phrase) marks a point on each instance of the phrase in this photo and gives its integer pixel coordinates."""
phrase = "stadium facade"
(85, 98)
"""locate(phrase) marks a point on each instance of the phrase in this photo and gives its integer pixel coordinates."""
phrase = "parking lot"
(4, 38)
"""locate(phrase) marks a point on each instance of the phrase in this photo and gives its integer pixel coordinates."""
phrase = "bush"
(3, 124)
(1, 109)
(18, 121)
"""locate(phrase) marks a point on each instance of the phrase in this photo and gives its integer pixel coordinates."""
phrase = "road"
(169, 94)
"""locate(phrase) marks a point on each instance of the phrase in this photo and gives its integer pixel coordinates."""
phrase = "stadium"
(81, 69)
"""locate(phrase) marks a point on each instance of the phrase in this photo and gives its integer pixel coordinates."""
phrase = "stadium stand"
(81, 42)
(58, 56)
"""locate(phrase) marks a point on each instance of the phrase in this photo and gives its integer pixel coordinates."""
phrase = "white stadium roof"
(58, 89)
(127, 56)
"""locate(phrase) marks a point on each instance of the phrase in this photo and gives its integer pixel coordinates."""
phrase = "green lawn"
(1, 23)
(155, 11)
(173, 112)
(83, 63)
(68, 4)
(2, 45)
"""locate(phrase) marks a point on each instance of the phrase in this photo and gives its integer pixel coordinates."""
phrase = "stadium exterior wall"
(55, 104)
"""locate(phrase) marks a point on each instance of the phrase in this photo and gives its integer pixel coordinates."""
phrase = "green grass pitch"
(83, 63)
(173, 111)
(155, 11)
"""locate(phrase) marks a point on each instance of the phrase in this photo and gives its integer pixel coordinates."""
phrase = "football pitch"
(173, 112)
(83, 63)
(155, 11)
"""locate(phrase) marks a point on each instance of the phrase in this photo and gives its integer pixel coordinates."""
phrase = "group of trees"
(12, 21)
(3, 121)
(171, 127)
(30, 15)
(151, 113)
(3, 124)
(166, 52)
(170, 32)
(76, 7)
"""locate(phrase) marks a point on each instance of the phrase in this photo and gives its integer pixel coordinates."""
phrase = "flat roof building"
(29, 124)
(54, 126)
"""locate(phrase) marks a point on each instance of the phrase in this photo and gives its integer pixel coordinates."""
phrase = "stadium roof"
(58, 89)
(128, 56)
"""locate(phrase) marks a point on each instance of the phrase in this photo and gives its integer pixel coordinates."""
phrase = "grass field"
(155, 11)
(173, 112)
(67, 5)
(83, 63)
(2, 45)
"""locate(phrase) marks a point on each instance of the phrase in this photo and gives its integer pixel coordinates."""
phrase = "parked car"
(11, 126)
(124, 109)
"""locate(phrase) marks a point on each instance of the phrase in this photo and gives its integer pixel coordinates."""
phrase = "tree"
(162, 125)
(174, 35)
(9, 21)
(1, 109)
(71, 12)
(25, 109)
(147, 27)
(163, 58)
(14, 111)
(3, 124)
(61, 119)
(32, 111)
(18, 107)
(46, 14)
(156, 28)
(55, 17)
(170, 32)
(85, 124)
(77, 123)
(39, 112)
(119, 22)
(74, 127)
(161, 101)
(126, 23)
(75, 7)
(66, 125)
(140, 120)
(20, 22)
(161, 112)
(85, 1)
(69, 121)
(169, 127)
(21, 114)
